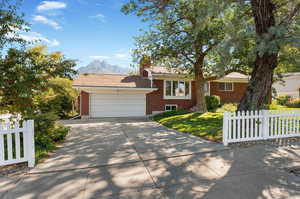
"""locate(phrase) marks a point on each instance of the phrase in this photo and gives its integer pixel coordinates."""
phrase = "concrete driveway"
(138, 158)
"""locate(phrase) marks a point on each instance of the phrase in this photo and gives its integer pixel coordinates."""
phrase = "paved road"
(138, 158)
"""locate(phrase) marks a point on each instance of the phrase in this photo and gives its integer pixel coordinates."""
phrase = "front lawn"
(207, 125)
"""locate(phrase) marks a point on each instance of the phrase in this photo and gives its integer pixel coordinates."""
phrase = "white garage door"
(117, 105)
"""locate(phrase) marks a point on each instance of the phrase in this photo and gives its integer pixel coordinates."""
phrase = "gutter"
(110, 88)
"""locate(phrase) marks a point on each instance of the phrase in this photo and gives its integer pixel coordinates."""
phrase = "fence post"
(265, 124)
(225, 128)
(30, 143)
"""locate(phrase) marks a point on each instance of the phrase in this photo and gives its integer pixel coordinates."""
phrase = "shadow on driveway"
(138, 158)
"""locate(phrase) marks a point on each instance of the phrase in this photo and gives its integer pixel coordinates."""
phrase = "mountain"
(102, 67)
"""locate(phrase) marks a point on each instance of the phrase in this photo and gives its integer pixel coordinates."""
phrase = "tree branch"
(211, 47)
(289, 18)
(188, 58)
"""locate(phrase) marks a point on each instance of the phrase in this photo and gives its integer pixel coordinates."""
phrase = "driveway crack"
(140, 157)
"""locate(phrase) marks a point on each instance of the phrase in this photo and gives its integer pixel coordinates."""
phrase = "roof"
(236, 75)
(159, 70)
(163, 70)
(111, 80)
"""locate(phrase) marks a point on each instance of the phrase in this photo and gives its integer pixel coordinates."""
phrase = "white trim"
(208, 93)
(177, 97)
(116, 88)
(225, 87)
(235, 80)
(189, 78)
(171, 105)
(172, 77)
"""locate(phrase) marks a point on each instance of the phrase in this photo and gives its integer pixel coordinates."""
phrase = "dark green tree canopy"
(181, 32)
(188, 35)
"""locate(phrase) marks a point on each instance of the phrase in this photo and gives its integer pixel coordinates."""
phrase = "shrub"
(57, 98)
(275, 106)
(212, 102)
(59, 133)
(47, 132)
(227, 107)
(294, 103)
(168, 114)
(283, 100)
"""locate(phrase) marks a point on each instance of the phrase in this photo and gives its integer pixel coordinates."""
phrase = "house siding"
(84, 107)
(144, 73)
(229, 96)
(155, 100)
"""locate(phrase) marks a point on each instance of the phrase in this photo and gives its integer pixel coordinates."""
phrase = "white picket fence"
(16, 142)
(243, 126)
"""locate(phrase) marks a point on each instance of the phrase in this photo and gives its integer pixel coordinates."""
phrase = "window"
(171, 107)
(174, 89)
(168, 87)
(206, 88)
(226, 86)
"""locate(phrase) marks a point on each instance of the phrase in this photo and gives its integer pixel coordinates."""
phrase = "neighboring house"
(290, 86)
(156, 89)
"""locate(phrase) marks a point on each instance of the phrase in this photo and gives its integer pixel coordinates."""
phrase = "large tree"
(26, 73)
(186, 35)
(276, 25)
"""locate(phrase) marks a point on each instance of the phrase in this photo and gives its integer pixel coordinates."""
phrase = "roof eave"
(166, 75)
(111, 87)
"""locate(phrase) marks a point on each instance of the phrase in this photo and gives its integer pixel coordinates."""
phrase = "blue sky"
(84, 29)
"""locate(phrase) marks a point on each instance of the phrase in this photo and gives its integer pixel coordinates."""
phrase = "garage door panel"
(118, 109)
(117, 105)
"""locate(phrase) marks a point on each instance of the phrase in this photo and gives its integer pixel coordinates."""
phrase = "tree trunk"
(199, 83)
(260, 84)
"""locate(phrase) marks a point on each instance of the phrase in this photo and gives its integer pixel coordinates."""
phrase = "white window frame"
(208, 85)
(226, 90)
(171, 105)
(178, 97)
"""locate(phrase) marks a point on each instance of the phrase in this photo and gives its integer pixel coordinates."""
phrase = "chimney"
(145, 62)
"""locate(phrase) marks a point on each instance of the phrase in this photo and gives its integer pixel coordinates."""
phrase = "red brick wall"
(155, 101)
(144, 73)
(229, 96)
(84, 103)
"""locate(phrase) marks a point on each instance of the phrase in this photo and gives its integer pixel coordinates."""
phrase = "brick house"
(154, 90)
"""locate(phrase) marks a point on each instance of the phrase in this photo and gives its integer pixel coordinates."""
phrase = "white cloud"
(47, 21)
(55, 43)
(99, 17)
(36, 37)
(99, 57)
(51, 5)
(121, 56)
(116, 56)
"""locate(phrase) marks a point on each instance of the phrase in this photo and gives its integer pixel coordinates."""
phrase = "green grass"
(274, 106)
(207, 125)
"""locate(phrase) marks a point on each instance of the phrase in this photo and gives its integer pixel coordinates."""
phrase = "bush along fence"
(16, 142)
(243, 126)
